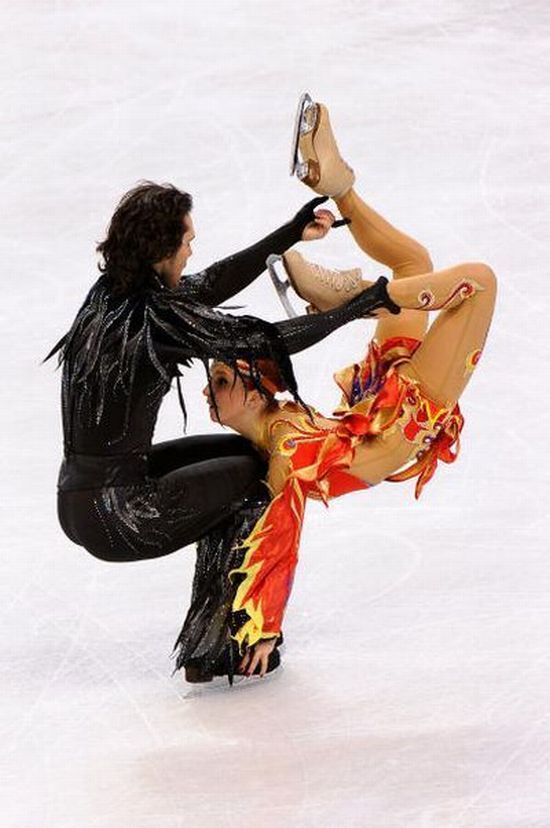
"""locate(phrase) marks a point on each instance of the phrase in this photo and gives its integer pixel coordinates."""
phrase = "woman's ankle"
(346, 203)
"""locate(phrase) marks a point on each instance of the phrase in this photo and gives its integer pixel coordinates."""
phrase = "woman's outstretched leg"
(381, 240)
(441, 365)
(324, 170)
(386, 244)
(465, 296)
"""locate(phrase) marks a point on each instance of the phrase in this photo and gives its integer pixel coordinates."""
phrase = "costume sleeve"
(256, 340)
(267, 572)
(304, 331)
(229, 276)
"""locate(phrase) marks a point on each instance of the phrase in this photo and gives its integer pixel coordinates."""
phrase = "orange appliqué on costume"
(375, 398)
(319, 459)
(472, 360)
(268, 566)
(458, 294)
(435, 430)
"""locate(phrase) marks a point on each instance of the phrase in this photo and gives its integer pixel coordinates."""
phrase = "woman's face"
(231, 398)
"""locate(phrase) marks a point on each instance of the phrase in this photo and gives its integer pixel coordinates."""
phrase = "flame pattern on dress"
(375, 399)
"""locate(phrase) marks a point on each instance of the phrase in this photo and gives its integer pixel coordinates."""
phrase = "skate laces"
(337, 280)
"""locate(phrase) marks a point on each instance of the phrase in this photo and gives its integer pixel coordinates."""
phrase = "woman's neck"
(255, 426)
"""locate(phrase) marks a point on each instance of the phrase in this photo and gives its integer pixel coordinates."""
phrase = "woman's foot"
(322, 167)
(327, 289)
(323, 288)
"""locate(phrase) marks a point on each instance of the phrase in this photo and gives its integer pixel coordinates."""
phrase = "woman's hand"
(258, 654)
(319, 227)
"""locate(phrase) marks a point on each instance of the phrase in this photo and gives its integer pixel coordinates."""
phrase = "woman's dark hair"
(146, 227)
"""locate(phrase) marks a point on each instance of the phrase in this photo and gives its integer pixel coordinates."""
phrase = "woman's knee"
(482, 274)
(424, 260)
(416, 261)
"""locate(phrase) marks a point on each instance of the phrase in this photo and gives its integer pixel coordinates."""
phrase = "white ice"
(415, 691)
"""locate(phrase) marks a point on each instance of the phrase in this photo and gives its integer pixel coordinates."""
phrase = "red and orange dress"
(319, 453)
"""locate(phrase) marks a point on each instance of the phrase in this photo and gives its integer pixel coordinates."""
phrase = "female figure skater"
(121, 498)
(399, 411)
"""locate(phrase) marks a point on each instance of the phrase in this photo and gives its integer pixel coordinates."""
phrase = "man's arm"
(229, 276)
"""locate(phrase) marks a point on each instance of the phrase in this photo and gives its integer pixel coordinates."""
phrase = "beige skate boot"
(322, 167)
(324, 289)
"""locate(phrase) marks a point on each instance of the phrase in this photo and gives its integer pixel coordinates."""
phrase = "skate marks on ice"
(136, 696)
(76, 644)
(525, 743)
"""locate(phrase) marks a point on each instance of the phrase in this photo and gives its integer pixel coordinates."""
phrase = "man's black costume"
(121, 497)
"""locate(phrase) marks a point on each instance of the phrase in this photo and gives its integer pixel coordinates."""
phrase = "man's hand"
(319, 227)
(258, 654)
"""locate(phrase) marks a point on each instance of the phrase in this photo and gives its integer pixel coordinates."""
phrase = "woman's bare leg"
(386, 244)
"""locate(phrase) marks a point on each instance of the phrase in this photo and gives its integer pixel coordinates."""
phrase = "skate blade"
(220, 684)
(281, 285)
(306, 116)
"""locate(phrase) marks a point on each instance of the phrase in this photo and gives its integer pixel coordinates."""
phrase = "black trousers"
(192, 485)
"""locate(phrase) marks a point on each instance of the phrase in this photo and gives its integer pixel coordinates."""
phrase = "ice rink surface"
(416, 686)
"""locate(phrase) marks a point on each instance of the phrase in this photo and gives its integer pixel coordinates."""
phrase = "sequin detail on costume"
(121, 348)
(205, 636)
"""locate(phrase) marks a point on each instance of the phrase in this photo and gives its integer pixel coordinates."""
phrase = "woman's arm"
(229, 276)
(279, 470)
(267, 571)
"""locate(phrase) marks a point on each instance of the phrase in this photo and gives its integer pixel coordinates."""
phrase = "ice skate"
(281, 285)
(224, 670)
(321, 166)
(322, 287)
(304, 122)
(326, 289)
(196, 674)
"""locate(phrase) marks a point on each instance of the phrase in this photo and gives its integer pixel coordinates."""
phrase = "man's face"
(184, 252)
(170, 269)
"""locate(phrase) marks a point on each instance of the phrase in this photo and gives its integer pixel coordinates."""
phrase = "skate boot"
(327, 289)
(196, 673)
(322, 168)
(323, 288)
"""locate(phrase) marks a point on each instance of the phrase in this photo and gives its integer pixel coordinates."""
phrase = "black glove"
(306, 213)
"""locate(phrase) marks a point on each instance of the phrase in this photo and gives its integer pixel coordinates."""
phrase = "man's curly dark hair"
(146, 227)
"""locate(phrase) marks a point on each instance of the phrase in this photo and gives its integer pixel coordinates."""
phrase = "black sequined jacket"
(121, 353)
